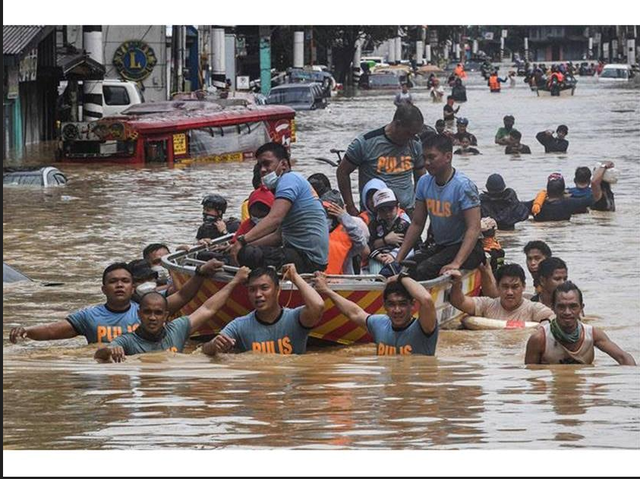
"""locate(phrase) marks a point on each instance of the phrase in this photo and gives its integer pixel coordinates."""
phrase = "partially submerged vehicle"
(615, 72)
(564, 89)
(178, 132)
(299, 96)
(381, 81)
(365, 290)
(40, 176)
(12, 275)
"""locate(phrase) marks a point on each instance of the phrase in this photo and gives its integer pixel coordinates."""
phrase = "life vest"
(494, 84)
(244, 210)
(366, 217)
(538, 202)
(339, 247)
(491, 243)
(459, 71)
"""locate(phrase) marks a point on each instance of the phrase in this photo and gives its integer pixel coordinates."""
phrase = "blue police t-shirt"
(285, 336)
(410, 340)
(446, 205)
(176, 335)
(101, 325)
(376, 156)
(305, 226)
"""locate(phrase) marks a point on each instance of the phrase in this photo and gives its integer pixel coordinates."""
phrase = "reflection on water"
(475, 394)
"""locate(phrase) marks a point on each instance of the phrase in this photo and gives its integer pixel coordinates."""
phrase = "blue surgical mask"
(270, 180)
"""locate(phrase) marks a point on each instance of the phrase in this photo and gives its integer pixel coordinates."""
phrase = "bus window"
(156, 151)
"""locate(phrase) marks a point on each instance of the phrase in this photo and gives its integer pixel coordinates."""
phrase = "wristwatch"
(402, 274)
(241, 240)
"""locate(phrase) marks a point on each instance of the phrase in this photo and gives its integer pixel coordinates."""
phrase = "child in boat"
(259, 205)
(214, 226)
(386, 231)
(490, 243)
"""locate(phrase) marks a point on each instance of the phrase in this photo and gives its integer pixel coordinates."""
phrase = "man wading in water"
(566, 340)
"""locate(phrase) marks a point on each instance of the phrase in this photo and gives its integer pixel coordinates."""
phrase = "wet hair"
(566, 287)
(583, 174)
(152, 248)
(256, 181)
(515, 134)
(141, 269)
(563, 128)
(408, 115)
(549, 265)
(278, 150)
(511, 270)
(113, 267)
(539, 245)
(320, 183)
(395, 288)
(441, 123)
(439, 142)
(164, 299)
(555, 187)
(464, 136)
(269, 271)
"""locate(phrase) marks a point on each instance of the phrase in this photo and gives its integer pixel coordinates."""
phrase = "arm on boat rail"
(457, 297)
(427, 312)
(311, 313)
(350, 309)
(188, 291)
(413, 233)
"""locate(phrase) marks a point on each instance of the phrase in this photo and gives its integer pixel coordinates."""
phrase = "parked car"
(45, 176)
(118, 95)
(299, 96)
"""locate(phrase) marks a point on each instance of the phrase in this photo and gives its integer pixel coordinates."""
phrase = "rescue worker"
(494, 82)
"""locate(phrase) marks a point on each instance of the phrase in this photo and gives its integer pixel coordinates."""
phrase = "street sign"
(242, 82)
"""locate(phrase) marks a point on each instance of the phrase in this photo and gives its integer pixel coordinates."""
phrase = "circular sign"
(134, 60)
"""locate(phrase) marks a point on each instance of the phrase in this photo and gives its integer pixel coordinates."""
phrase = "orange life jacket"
(490, 243)
(339, 247)
(494, 84)
(541, 197)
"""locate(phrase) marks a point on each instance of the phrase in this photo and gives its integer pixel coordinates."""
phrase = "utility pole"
(265, 59)
(92, 89)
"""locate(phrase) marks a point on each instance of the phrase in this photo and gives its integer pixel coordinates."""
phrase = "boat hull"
(563, 93)
(334, 326)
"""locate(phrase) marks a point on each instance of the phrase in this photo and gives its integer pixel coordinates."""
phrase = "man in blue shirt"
(452, 202)
(270, 328)
(588, 188)
(396, 332)
(392, 154)
(296, 222)
(119, 315)
(155, 334)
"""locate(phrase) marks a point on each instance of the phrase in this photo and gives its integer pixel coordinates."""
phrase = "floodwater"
(475, 394)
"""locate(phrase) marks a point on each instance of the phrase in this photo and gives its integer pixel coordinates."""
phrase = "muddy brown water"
(475, 394)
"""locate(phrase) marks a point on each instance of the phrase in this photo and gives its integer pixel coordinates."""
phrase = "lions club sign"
(134, 60)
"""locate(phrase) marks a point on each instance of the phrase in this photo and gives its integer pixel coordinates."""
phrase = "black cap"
(495, 184)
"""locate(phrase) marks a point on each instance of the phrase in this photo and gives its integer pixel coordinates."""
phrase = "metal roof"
(16, 39)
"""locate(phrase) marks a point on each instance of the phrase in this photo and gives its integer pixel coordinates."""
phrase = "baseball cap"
(384, 197)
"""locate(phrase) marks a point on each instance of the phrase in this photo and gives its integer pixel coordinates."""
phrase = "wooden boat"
(365, 290)
(178, 132)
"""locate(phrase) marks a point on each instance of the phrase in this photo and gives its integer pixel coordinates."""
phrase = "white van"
(616, 72)
(118, 95)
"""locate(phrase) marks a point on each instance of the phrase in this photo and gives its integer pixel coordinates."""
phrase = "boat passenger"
(403, 96)
(510, 305)
(387, 231)
(566, 340)
(490, 243)
(451, 201)
(156, 333)
(552, 272)
(503, 135)
(461, 124)
(449, 113)
(270, 328)
(465, 147)
(556, 206)
(256, 181)
(320, 183)
(153, 254)
(213, 209)
(536, 252)
(502, 204)
(554, 144)
(397, 332)
(260, 203)
(296, 223)
(347, 239)
(392, 154)
(516, 147)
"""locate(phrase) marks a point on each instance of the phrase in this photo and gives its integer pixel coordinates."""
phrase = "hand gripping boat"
(365, 290)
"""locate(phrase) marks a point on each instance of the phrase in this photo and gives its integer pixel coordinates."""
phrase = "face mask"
(270, 180)
(255, 220)
(146, 287)
(163, 274)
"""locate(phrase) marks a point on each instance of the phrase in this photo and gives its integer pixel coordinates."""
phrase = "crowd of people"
(297, 225)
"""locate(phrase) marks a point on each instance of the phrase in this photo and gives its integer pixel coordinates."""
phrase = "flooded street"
(475, 394)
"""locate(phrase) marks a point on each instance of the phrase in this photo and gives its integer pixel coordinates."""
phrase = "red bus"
(177, 132)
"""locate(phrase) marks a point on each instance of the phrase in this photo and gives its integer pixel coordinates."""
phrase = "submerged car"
(616, 72)
(44, 176)
(382, 81)
(299, 96)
